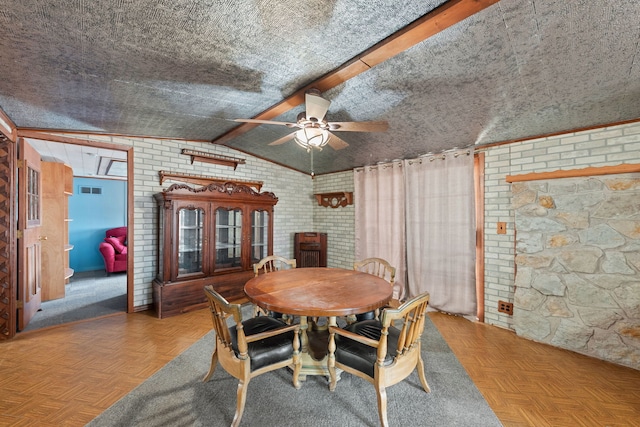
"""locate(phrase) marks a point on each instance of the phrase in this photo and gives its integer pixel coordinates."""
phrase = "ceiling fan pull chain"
(312, 173)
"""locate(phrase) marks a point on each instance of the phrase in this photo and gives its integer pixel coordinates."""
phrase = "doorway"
(101, 173)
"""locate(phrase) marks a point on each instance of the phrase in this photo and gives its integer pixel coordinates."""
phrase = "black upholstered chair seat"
(361, 356)
(266, 351)
(369, 315)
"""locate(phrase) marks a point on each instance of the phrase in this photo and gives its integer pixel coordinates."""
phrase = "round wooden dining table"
(313, 293)
(318, 291)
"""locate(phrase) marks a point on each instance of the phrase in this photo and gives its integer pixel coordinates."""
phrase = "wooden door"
(54, 262)
(29, 237)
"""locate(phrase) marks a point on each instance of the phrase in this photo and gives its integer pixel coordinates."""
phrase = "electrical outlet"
(502, 228)
(505, 307)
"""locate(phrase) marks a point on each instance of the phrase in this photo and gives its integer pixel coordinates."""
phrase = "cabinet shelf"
(221, 246)
(68, 247)
(190, 250)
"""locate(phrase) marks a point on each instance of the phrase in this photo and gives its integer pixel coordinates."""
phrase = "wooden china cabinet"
(210, 235)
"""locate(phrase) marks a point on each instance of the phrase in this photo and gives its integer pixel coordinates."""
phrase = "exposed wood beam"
(439, 19)
(7, 127)
(45, 136)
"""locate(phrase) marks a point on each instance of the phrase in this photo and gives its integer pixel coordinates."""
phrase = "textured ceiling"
(182, 69)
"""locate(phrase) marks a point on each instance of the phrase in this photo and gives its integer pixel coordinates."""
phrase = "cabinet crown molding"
(230, 188)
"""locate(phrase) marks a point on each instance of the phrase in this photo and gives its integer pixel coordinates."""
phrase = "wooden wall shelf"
(218, 159)
(335, 200)
(575, 173)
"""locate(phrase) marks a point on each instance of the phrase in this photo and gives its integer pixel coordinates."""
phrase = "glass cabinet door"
(228, 249)
(259, 235)
(190, 240)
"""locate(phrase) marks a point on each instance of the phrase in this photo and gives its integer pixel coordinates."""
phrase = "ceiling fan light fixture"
(311, 137)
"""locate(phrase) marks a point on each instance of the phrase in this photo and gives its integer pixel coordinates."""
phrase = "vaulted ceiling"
(443, 74)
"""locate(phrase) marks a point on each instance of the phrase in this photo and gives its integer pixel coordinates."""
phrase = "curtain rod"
(431, 156)
(443, 154)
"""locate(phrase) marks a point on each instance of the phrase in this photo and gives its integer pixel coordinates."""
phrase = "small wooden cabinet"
(310, 249)
(209, 236)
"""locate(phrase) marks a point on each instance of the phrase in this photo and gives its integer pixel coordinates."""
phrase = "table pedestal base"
(315, 349)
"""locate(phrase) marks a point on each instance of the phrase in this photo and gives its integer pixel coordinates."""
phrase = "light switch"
(502, 228)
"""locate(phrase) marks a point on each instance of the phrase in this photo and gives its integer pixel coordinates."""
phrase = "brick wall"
(338, 223)
(291, 214)
(606, 146)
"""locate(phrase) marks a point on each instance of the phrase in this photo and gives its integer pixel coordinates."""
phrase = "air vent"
(90, 190)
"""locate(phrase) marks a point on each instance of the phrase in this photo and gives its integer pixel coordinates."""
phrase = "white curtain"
(441, 231)
(380, 222)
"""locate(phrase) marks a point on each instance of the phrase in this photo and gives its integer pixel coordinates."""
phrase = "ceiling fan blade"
(265, 122)
(316, 106)
(336, 143)
(283, 139)
(381, 126)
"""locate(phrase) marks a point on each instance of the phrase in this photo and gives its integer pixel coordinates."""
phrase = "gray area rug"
(176, 396)
(88, 295)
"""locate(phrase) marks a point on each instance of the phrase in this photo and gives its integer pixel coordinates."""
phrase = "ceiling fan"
(314, 131)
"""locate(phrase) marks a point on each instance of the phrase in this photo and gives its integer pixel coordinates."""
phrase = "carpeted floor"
(88, 295)
(176, 396)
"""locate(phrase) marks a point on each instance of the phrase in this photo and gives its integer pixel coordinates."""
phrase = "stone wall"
(605, 146)
(577, 283)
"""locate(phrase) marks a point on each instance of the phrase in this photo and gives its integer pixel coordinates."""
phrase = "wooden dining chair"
(273, 263)
(378, 267)
(269, 264)
(248, 348)
(383, 352)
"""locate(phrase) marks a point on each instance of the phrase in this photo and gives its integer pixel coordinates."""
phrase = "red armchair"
(114, 250)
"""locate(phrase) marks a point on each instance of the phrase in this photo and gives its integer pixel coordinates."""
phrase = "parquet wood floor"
(533, 384)
(67, 375)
